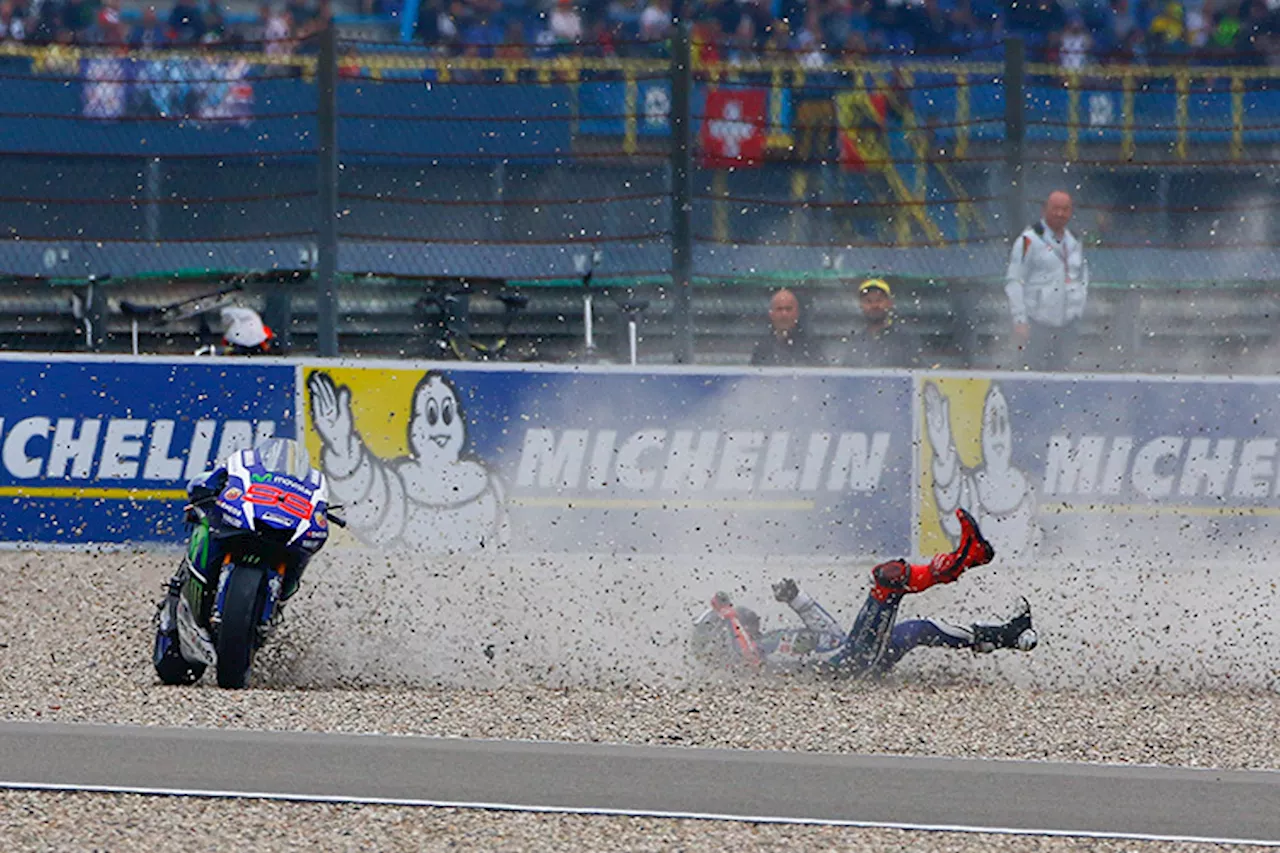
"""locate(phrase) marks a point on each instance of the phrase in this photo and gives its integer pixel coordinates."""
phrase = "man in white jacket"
(1047, 284)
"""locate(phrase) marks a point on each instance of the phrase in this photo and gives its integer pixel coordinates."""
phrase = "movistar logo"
(261, 478)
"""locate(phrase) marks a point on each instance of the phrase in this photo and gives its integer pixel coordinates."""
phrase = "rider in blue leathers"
(731, 635)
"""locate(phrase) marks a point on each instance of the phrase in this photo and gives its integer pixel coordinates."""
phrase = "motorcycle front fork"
(199, 595)
(202, 597)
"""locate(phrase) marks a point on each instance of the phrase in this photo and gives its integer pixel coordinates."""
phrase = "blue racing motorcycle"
(255, 523)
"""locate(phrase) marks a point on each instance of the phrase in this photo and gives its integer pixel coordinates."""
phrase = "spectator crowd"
(1073, 33)
(275, 29)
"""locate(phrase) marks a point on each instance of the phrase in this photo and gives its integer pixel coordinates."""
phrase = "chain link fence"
(403, 193)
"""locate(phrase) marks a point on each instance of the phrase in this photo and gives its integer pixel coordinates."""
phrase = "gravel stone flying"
(74, 647)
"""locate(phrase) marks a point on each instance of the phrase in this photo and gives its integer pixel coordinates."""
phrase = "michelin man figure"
(1000, 495)
(432, 500)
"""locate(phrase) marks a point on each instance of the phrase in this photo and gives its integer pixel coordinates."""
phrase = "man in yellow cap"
(879, 341)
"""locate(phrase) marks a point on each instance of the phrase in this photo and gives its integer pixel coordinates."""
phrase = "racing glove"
(785, 590)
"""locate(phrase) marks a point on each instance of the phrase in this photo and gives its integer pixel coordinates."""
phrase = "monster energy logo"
(194, 591)
(198, 549)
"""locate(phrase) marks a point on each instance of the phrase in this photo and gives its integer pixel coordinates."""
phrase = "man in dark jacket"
(787, 344)
(879, 341)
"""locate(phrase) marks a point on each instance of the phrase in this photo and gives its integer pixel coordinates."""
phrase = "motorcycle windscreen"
(284, 456)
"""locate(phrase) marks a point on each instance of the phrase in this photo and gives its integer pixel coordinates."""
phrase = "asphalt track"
(857, 790)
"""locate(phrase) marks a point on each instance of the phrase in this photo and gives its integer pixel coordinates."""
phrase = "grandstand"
(481, 167)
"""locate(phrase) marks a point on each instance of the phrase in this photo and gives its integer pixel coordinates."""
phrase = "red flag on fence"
(733, 129)
(862, 119)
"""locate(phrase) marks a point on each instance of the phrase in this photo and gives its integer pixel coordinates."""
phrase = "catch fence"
(359, 158)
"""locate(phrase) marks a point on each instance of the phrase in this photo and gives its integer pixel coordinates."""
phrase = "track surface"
(1077, 799)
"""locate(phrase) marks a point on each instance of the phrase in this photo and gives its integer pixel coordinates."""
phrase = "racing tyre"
(237, 635)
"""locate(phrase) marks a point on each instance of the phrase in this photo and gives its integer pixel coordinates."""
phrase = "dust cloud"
(367, 619)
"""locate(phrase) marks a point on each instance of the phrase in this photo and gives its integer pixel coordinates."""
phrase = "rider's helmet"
(245, 332)
(284, 456)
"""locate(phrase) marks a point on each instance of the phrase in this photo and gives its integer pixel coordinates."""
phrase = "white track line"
(335, 799)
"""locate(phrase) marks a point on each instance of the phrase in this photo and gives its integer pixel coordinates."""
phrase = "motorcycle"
(256, 523)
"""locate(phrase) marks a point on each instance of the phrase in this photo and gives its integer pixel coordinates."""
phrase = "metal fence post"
(966, 297)
(95, 318)
(682, 191)
(327, 195)
(1015, 125)
(154, 191)
(278, 313)
(1128, 327)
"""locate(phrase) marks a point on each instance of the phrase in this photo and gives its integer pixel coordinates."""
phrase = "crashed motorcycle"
(255, 523)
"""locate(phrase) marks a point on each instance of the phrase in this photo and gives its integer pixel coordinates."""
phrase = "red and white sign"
(733, 129)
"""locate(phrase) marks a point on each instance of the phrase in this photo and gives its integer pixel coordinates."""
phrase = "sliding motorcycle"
(255, 522)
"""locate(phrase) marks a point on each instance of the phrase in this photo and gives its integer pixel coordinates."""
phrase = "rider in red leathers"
(875, 643)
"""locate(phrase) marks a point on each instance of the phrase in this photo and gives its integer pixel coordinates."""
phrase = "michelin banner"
(100, 450)
(1138, 469)
(455, 458)
(612, 461)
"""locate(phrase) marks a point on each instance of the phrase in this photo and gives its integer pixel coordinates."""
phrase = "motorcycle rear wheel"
(237, 635)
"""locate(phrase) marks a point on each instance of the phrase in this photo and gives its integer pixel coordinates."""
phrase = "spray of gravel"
(82, 620)
(601, 621)
(588, 608)
(1171, 613)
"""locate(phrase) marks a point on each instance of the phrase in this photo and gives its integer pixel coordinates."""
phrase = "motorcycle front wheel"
(237, 635)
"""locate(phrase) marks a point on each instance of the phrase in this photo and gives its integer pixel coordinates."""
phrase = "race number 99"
(267, 495)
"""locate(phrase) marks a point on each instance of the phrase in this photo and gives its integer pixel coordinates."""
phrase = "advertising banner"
(619, 460)
(101, 450)
(602, 107)
(1143, 469)
(173, 87)
(615, 461)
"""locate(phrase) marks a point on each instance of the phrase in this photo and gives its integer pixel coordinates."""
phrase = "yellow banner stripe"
(1129, 509)
(84, 493)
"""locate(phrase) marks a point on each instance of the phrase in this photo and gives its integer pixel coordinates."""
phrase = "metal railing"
(916, 125)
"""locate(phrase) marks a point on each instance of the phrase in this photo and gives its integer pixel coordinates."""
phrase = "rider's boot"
(973, 550)
(898, 577)
(167, 607)
(1017, 633)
